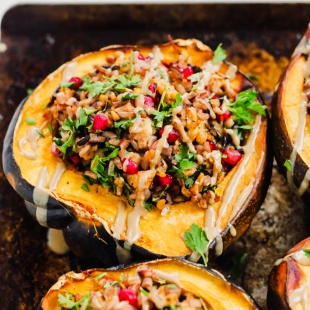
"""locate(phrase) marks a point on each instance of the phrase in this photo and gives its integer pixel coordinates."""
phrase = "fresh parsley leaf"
(219, 54)
(178, 172)
(67, 303)
(50, 128)
(67, 84)
(307, 252)
(184, 153)
(99, 276)
(252, 76)
(82, 119)
(144, 292)
(40, 132)
(195, 79)
(209, 187)
(288, 165)
(196, 239)
(131, 202)
(96, 88)
(170, 285)
(63, 147)
(159, 117)
(245, 106)
(84, 187)
(247, 127)
(129, 96)
(30, 121)
(186, 164)
(69, 125)
(148, 205)
(189, 182)
(124, 123)
(89, 180)
(108, 284)
(239, 262)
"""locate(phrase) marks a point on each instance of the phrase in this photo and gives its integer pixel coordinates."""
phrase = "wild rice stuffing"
(156, 132)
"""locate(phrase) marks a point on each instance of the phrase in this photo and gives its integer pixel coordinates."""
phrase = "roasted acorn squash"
(54, 193)
(291, 121)
(206, 285)
(288, 285)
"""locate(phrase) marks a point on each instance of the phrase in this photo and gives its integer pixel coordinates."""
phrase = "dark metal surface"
(40, 38)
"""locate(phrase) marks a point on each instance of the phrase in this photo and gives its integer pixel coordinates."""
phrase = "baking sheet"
(39, 38)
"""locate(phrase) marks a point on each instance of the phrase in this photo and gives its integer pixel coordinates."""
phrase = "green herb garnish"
(144, 292)
(195, 79)
(40, 132)
(30, 121)
(288, 165)
(84, 187)
(67, 84)
(196, 239)
(245, 107)
(307, 252)
(239, 261)
(219, 54)
(99, 276)
(67, 302)
(129, 96)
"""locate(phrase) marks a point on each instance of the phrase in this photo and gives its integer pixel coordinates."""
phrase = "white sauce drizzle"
(56, 241)
(218, 245)
(69, 71)
(169, 277)
(60, 169)
(123, 254)
(119, 223)
(31, 137)
(232, 230)
(249, 149)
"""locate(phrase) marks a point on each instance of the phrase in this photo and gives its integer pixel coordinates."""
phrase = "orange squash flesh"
(100, 207)
(213, 289)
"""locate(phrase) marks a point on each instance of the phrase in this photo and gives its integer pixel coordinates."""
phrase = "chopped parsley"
(195, 79)
(129, 96)
(288, 165)
(219, 54)
(30, 121)
(144, 291)
(307, 252)
(40, 132)
(196, 239)
(99, 276)
(67, 302)
(67, 84)
(245, 106)
(84, 187)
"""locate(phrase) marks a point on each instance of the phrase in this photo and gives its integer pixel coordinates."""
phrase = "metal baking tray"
(40, 38)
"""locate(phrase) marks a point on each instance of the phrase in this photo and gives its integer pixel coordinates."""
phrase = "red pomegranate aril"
(188, 71)
(308, 97)
(76, 159)
(232, 156)
(149, 101)
(141, 57)
(54, 149)
(100, 122)
(165, 181)
(212, 145)
(78, 82)
(215, 97)
(152, 88)
(172, 136)
(128, 295)
(129, 166)
(225, 116)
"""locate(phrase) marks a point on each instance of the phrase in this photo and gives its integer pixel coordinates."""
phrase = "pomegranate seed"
(212, 145)
(129, 166)
(54, 149)
(141, 57)
(232, 156)
(100, 122)
(128, 295)
(165, 181)
(224, 117)
(215, 97)
(149, 101)
(173, 135)
(308, 97)
(76, 159)
(78, 82)
(152, 88)
(188, 71)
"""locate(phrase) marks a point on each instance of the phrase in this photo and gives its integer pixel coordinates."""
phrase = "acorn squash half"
(291, 121)
(206, 285)
(94, 221)
(289, 280)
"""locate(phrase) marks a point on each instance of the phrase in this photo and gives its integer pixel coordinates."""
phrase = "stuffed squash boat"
(161, 284)
(290, 116)
(142, 149)
(289, 280)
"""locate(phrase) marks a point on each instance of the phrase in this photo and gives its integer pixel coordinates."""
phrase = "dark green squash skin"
(203, 268)
(282, 144)
(95, 244)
